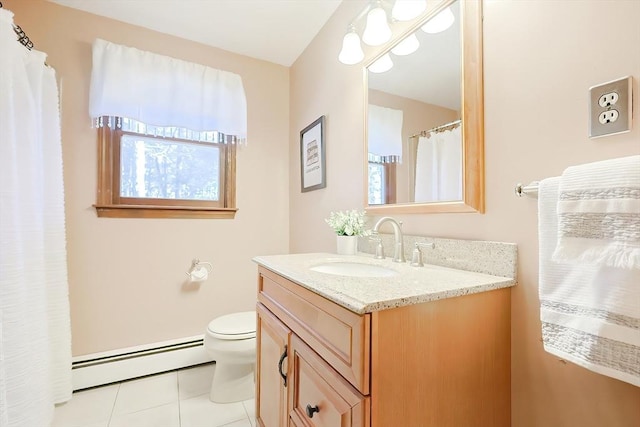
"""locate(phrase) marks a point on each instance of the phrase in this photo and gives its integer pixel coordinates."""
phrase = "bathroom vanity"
(417, 347)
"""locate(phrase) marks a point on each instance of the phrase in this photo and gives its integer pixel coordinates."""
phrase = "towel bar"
(527, 190)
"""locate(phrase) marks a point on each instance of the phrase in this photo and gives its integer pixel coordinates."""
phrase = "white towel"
(599, 214)
(590, 314)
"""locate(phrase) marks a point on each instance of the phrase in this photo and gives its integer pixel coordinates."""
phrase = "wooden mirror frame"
(472, 82)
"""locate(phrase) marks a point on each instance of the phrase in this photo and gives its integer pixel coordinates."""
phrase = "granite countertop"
(411, 285)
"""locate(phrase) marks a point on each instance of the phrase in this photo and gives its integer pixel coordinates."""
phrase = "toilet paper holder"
(199, 270)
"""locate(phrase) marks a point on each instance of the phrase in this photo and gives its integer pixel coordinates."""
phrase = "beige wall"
(534, 52)
(126, 275)
(416, 116)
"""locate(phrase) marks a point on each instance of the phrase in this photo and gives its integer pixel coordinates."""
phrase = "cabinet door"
(339, 336)
(272, 371)
(319, 396)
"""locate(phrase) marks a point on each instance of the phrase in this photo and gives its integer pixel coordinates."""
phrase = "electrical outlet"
(608, 99)
(610, 106)
(608, 116)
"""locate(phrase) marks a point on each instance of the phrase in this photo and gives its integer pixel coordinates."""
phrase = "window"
(164, 172)
(376, 183)
(382, 179)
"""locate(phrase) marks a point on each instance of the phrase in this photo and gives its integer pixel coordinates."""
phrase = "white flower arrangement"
(347, 223)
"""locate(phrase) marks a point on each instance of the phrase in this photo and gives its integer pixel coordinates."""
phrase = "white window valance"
(163, 91)
(385, 131)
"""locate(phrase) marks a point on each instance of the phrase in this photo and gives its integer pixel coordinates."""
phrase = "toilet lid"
(235, 326)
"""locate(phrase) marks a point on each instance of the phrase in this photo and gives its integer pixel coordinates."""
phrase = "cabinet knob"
(312, 410)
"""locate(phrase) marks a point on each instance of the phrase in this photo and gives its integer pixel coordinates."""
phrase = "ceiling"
(272, 30)
(278, 31)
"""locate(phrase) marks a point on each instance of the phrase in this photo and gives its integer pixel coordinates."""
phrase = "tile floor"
(174, 399)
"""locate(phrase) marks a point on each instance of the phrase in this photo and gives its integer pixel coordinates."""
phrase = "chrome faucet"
(398, 253)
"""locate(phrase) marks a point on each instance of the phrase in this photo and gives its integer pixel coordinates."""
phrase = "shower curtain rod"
(22, 36)
(446, 126)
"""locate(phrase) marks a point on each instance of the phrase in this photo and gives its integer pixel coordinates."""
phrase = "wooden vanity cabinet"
(438, 364)
(273, 343)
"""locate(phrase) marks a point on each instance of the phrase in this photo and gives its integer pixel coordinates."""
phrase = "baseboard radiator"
(104, 368)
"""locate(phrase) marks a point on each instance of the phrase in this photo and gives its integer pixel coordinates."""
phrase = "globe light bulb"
(351, 52)
(377, 30)
(406, 46)
(440, 22)
(381, 65)
(406, 10)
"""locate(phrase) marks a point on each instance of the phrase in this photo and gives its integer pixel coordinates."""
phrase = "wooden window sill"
(151, 211)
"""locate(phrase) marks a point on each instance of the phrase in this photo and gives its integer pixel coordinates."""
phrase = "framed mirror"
(424, 116)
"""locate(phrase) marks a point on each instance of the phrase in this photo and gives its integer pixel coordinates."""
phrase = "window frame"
(109, 203)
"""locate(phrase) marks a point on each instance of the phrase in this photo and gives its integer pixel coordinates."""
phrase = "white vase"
(347, 245)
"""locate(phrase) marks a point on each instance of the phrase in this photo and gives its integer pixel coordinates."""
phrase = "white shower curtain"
(439, 167)
(35, 335)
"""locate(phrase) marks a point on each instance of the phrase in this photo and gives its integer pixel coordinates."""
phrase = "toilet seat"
(235, 326)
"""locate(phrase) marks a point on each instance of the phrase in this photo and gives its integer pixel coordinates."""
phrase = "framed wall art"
(312, 156)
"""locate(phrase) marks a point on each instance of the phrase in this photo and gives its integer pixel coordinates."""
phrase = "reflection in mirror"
(424, 135)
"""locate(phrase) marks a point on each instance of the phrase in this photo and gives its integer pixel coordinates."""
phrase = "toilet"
(231, 341)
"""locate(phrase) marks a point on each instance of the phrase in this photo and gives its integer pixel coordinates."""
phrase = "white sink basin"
(354, 269)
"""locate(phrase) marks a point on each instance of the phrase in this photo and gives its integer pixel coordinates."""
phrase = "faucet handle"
(429, 245)
(379, 249)
(416, 258)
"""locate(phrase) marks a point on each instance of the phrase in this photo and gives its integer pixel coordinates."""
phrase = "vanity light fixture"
(406, 10)
(377, 30)
(406, 46)
(351, 52)
(440, 22)
(384, 63)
